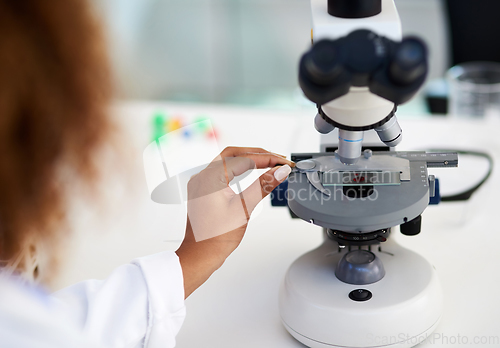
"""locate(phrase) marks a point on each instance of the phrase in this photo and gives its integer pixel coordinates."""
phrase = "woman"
(54, 91)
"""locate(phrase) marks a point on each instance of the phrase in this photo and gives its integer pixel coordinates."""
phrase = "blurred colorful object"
(164, 124)
(179, 149)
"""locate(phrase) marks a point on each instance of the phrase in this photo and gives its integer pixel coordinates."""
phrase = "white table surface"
(238, 306)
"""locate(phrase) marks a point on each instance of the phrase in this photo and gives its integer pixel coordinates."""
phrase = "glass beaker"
(474, 90)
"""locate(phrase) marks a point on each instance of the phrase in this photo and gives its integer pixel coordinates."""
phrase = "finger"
(234, 161)
(267, 160)
(262, 153)
(238, 165)
(233, 151)
(274, 153)
(220, 173)
(234, 166)
(261, 157)
(264, 185)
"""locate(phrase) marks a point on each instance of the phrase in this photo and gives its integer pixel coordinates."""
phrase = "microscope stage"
(382, 190)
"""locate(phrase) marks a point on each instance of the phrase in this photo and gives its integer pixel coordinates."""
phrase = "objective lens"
(350, 144)
(390, 132)
(321, 125)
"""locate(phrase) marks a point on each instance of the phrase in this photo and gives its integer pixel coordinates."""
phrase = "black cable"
(465, 195)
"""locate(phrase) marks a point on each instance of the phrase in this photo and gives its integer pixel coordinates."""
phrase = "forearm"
(196, 268)
(199, 260)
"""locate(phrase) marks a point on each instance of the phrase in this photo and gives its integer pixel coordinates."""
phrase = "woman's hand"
(218, 217)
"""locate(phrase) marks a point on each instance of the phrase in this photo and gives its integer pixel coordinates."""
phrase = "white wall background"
(235, 51)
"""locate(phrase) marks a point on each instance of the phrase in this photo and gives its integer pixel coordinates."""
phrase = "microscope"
(360, 288)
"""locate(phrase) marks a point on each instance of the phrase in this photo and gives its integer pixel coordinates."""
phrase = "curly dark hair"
(54, 90)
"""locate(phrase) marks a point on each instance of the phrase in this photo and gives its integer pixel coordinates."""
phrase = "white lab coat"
(139, 305)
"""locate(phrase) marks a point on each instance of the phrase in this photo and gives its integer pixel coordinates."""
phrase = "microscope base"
(404, 308)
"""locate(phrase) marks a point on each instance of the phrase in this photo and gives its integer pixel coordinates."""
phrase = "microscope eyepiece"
(409, 62)
(321, 63)
(322, 75)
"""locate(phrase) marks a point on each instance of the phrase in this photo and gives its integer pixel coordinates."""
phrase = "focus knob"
(412, 227)
(409, 62)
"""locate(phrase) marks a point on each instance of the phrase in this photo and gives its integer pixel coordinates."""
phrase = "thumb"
(272, 178)
(263, 186)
